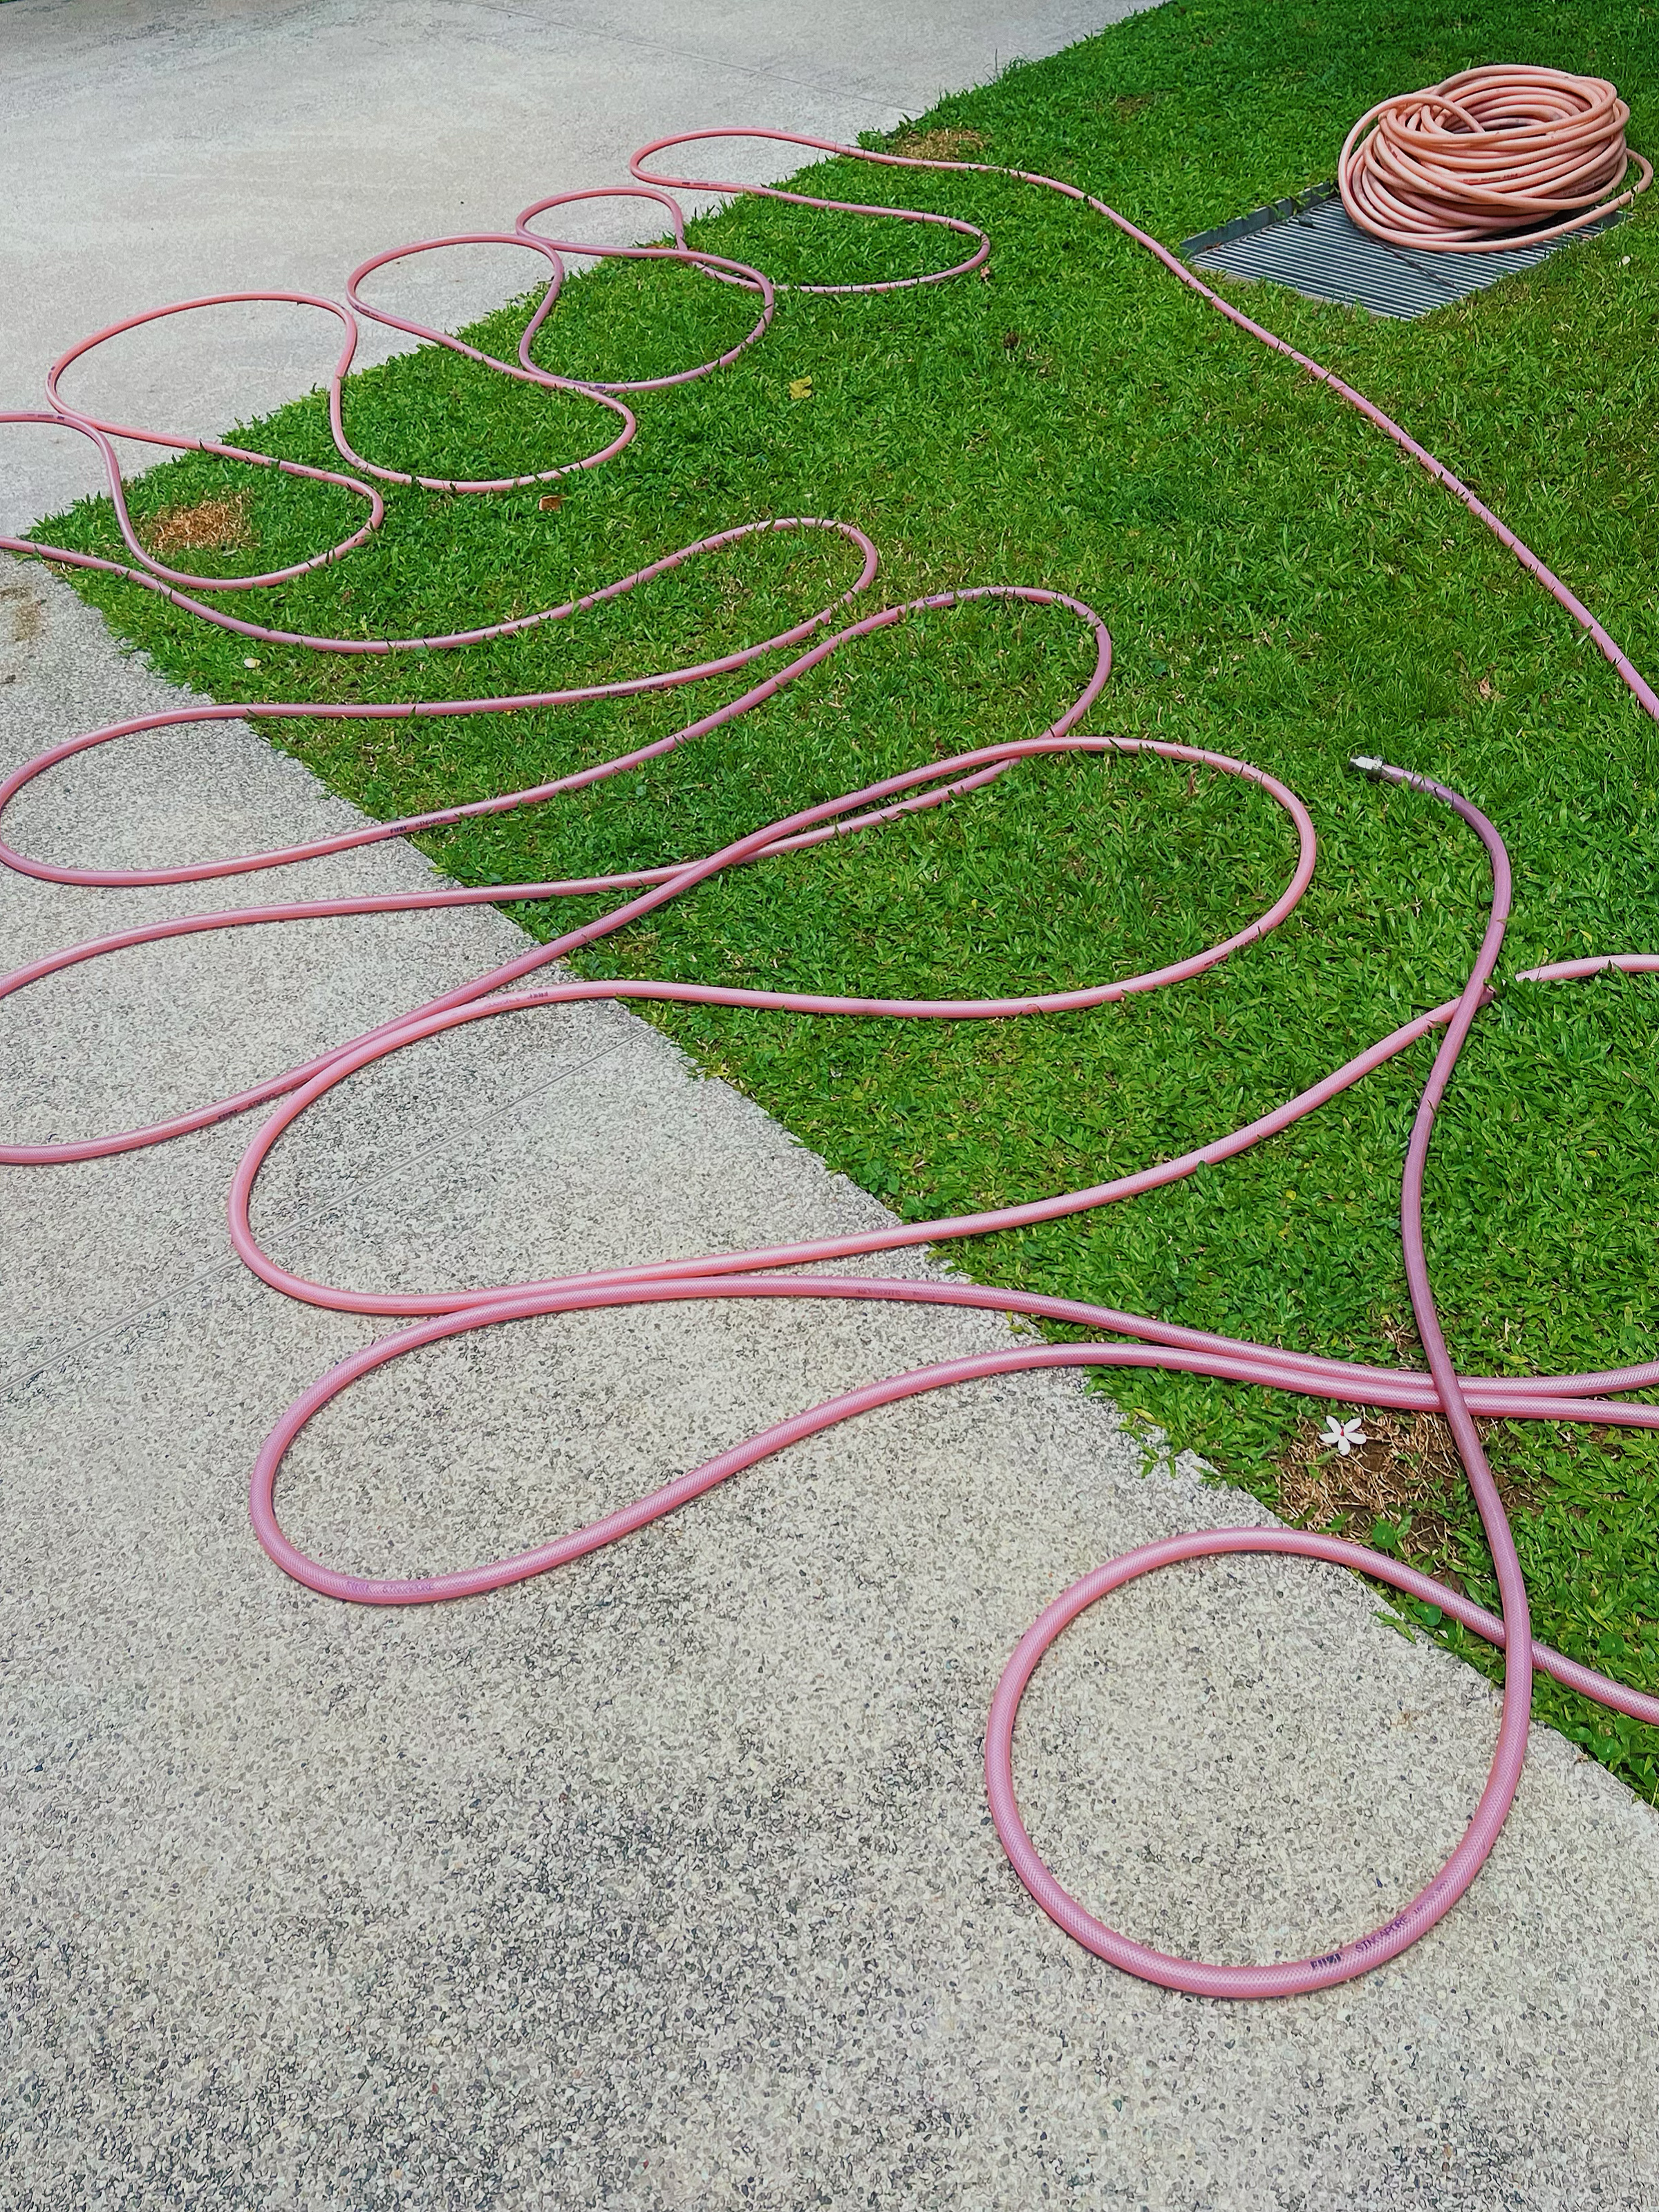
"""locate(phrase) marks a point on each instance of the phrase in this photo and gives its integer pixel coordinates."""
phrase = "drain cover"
(1310, 243)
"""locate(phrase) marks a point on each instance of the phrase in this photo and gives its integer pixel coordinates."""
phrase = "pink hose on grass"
(1147, 1342)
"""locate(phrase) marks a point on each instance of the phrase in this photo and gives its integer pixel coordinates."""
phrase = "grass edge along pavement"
(1277, 586)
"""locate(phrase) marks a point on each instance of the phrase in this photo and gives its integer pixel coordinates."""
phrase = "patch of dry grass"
(1407, 1465)
(1406, 1474)
(939, 145)
(210, 525)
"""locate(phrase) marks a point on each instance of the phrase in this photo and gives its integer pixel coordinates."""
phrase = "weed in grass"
(1279, 585)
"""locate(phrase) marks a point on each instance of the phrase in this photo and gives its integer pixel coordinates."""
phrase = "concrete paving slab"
(667, 1881)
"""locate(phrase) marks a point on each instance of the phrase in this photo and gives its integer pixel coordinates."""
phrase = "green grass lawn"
(1280, 585)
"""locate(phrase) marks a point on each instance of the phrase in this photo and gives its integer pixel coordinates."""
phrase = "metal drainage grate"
(1310, 243)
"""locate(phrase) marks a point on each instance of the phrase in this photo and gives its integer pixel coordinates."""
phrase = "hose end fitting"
(1365, 765)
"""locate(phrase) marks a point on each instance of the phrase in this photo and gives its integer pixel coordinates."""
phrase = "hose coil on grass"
(1491, 160)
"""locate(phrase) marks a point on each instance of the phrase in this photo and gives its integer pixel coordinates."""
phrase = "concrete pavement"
(666, 1881)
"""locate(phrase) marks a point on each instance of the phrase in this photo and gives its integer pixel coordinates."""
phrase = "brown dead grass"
(1407, 1465)
(211, 526)
(939, 145)
(1407, 1471)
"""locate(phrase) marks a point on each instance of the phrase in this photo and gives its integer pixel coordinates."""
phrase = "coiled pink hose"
(1490, 159)
(1143, 1341)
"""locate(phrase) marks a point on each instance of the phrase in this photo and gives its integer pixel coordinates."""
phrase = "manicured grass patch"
(1280, 585)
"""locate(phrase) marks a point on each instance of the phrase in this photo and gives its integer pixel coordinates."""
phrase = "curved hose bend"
(1140, 1340)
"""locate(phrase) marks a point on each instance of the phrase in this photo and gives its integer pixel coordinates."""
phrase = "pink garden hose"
(1142, 1340)
(1491, 160)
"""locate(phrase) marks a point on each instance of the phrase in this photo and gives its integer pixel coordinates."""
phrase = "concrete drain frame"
(1310, 243)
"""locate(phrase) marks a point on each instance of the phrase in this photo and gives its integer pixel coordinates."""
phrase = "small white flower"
(1341, 1436)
